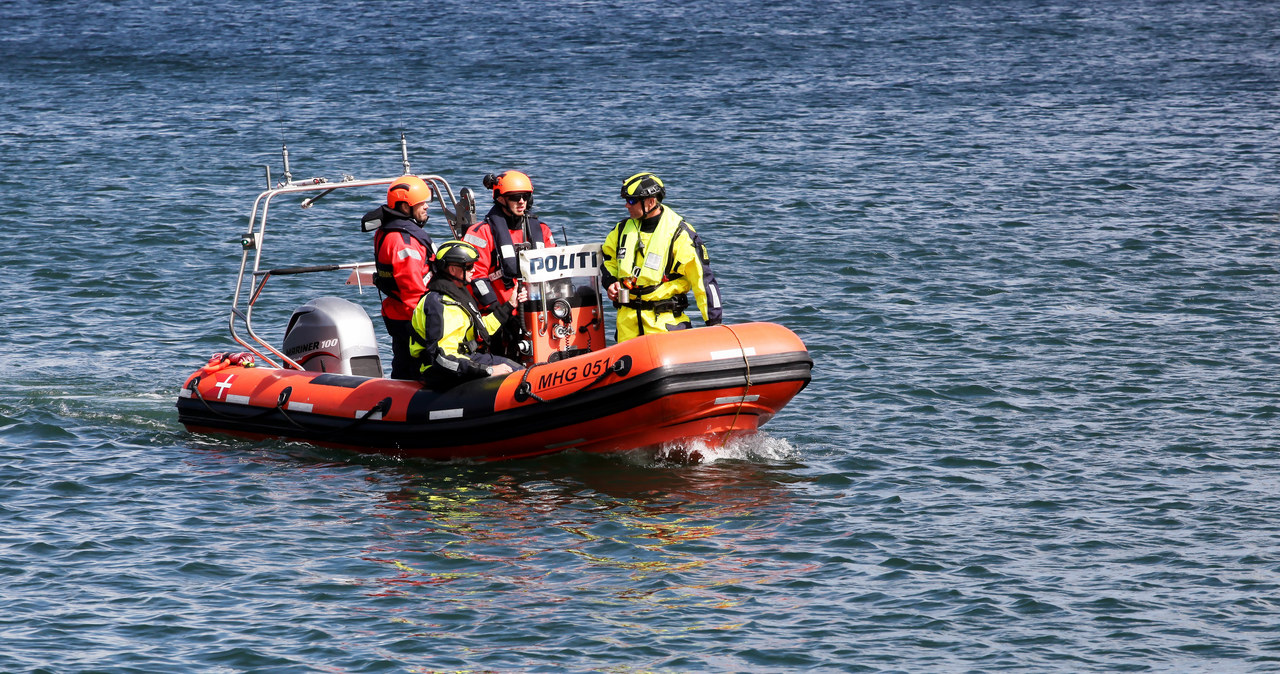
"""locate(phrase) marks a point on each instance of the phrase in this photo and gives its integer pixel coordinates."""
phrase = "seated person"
(450, 337)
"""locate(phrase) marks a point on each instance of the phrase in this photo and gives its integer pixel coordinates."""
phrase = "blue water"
(1032, 247)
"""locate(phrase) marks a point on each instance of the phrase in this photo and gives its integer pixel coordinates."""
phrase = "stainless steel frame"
(253, 240)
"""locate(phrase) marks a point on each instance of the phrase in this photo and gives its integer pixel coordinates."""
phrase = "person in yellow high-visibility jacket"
(652, 260)
(450, 337)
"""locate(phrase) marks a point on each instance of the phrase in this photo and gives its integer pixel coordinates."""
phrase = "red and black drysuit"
(403, 254)
(499, 239)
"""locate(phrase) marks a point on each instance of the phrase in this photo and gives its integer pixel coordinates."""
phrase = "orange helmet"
(409, 189)
(508, 181)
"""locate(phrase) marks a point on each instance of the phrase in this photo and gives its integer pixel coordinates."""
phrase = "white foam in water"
(755, 447)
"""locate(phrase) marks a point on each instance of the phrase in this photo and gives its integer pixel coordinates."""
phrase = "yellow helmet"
(643, 186)
(456, 252)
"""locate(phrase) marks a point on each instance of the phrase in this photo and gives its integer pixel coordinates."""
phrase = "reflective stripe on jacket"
(402, 260)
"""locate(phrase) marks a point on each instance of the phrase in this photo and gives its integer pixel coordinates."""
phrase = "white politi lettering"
(561, 262)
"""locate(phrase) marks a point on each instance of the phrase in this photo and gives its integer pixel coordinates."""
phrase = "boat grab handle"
(383, 407)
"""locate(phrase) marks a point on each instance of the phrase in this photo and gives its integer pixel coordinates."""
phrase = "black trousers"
(439, 378)
(403, 365)
(506, 341)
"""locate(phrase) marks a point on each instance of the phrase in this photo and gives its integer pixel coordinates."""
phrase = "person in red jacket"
(403, 254)
(508, 228)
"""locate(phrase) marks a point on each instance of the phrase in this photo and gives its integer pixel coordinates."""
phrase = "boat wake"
(759, 447)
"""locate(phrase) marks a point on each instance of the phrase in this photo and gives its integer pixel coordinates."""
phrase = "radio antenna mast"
(404, 153)
(288, 177)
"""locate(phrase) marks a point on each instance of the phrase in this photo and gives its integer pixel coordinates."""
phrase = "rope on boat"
(747, 364)
(524, 391)
(620, 367)
(383, 406)
(284, 400)
(194, 387)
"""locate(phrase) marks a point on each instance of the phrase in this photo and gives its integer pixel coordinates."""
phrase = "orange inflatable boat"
(575, 393)
(703, 383)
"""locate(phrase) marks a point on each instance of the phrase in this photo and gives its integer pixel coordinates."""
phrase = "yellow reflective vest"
(446, 334)
(659, 267)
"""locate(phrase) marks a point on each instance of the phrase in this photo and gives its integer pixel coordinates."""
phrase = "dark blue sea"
(1033, 247)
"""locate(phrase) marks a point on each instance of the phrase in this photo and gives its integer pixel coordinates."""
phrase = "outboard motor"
(330, 334)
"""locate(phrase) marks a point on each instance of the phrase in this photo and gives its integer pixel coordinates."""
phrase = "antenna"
(404, 153)
(288, 177)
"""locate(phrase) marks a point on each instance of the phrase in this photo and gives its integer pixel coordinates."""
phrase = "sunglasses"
(518, 196)
(632, 201)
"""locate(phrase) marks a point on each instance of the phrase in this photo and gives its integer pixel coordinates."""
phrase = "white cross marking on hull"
(224, 385)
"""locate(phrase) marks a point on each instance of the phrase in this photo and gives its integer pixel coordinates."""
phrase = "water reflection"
(615, 550)
(629, 541)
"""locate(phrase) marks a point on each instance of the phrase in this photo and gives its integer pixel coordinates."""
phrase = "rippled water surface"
(1032, 248)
